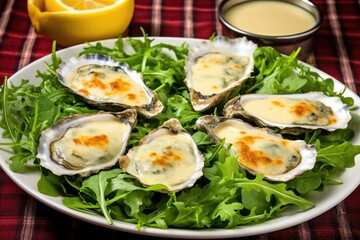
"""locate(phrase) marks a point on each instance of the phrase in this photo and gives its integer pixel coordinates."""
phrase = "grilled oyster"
(259, 150)
(215, 68)
(87, 143)
(291, 113)
(108, 84)
(168, 155)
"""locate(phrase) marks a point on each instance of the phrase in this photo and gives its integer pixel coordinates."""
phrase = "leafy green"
(341, 156)
(27, 110)
(279, 74)
(306, 182)
(50, 184)
(226, 196)
(96, 186)
(161, 64)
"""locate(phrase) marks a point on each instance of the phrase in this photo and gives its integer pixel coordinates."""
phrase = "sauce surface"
(168, 159)
(290, 111)
(104, 83)
(214, 71)
(90, 144)
(258, 150)
(272, 18)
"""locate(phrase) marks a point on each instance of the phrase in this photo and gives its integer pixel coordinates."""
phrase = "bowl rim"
(296, 36)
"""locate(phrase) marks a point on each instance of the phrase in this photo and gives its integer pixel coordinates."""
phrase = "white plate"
(325, 200)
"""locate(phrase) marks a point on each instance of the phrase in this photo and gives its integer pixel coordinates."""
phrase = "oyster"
(259, 150)
(168, 155)
(215, 68)
(86, 143)
(291, 113)
(108, 84)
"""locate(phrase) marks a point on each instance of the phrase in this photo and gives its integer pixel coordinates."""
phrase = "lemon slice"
(80, 5)
(72, 22)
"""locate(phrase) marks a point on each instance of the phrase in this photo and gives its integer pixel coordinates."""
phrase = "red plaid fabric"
(337, 52)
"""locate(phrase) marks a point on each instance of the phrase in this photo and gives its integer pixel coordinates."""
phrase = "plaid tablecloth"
(337, 52)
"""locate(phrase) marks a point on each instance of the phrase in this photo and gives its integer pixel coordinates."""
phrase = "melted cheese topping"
(104, 83)
(213, 72)
(168, 159)
(291, 111)
(258, 150)
(90, 144)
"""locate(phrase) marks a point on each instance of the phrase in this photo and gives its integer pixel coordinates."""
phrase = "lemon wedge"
(71, 22)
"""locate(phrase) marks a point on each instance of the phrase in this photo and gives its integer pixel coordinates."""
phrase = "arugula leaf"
(255, 199)
(340, 156)
(50, 184)
(95, 187)
(339, 136)
(334, 151)
(228, 212)
(79, 204)
(306, 182)
(279, 74)
(279, 190)
(183, 214)
(201, 138)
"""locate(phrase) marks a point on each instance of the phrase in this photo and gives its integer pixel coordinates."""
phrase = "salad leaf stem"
(5, 109)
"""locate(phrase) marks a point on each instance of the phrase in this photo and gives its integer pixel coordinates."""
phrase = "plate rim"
(241, 231)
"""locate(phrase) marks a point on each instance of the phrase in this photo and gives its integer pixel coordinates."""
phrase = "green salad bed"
(226, 196)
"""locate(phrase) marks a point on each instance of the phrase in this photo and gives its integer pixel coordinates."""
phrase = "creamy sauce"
(104, 83)
(90, 144)
(272, 18)
(258, 150)
(290, 111)
(168, 159)
(213, 72)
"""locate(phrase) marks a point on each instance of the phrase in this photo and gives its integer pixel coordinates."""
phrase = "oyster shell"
(86, 143)
(291, 113)
(259, 150)
(168, 155)
(215, 68)
(108, 84)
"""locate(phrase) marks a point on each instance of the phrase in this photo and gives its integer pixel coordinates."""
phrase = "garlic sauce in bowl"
(272, 18)
(285, 25)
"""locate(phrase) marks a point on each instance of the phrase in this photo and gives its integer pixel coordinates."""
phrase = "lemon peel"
(69, 26)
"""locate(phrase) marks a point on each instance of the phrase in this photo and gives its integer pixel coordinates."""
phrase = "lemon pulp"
(82, 5)
(87, 4)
